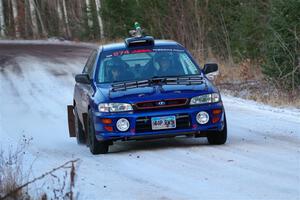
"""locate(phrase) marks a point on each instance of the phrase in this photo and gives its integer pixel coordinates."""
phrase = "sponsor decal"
(135, 51)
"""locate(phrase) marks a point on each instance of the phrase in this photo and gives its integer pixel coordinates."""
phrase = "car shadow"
(157, 144)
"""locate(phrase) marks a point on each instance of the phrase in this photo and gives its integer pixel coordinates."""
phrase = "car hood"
(155, 92)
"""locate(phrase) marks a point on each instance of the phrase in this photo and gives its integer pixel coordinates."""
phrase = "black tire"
(80, 135)
(95, 146)
(218, 137)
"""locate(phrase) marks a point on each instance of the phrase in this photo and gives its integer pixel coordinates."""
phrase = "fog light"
(202, 117)
(123, 124)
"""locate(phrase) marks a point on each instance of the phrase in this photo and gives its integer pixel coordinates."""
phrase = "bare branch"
(43, 176)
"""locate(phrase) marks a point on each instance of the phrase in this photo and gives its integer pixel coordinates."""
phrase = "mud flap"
(85, 125)
(71, 121)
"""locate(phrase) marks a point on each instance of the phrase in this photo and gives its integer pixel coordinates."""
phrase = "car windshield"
(145, 64)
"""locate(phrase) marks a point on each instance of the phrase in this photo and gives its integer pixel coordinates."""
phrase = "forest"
(264, 32)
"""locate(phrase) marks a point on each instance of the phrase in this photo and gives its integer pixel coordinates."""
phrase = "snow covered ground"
(261, 159)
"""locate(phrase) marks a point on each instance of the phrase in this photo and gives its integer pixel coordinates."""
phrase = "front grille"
(158, 104)
(143, 124)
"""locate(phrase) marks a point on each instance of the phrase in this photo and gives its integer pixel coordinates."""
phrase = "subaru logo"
(161, 103)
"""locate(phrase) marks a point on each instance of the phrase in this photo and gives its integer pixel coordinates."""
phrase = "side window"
(90, 63)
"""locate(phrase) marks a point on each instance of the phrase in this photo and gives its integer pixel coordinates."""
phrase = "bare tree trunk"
(98, 5)
(66, 19)
(61, 18)
(34, 22)
(88, 13)
(27, 19)
(45, 34)
(15, 16)
(2, 21)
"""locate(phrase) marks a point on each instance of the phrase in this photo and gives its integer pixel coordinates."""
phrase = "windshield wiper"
(129, 85)
(173, 76)
(159, 80)
(178, 80)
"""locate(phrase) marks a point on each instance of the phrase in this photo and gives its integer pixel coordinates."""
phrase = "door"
(83, 91)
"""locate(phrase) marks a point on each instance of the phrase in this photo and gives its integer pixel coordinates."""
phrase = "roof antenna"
(138, 32)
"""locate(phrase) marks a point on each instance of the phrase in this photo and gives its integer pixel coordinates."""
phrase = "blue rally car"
(144, 89)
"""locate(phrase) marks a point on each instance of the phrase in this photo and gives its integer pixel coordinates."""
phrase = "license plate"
(167, 122)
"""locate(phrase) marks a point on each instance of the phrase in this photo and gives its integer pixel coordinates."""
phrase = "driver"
(165, 65)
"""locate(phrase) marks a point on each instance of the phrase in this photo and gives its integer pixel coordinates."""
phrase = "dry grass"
(245, 80)
(11, 171)
(15, 182)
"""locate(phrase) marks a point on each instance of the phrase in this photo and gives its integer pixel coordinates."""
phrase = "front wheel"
(218, 137)
(95, 146)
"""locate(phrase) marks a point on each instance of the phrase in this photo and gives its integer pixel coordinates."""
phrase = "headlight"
(114, 107)
(206, 98)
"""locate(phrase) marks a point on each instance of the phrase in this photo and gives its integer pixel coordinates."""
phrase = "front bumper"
(186, 126)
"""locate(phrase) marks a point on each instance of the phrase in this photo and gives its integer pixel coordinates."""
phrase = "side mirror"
(210, 68)
(82, 78)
